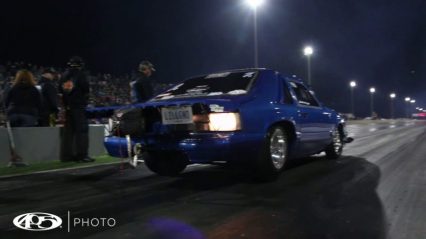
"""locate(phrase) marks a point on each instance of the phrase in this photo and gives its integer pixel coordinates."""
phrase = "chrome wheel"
(278, 148)
(337, 141)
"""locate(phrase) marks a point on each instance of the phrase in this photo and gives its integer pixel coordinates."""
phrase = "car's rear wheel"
(165, 164)
(335, 149)
(273, 156)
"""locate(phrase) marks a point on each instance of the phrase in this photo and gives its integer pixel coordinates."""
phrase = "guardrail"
(40, 144)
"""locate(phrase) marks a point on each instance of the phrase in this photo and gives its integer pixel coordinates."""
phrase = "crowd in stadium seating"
(106, 89)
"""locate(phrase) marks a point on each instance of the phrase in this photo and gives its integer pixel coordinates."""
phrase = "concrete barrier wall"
(44, 144)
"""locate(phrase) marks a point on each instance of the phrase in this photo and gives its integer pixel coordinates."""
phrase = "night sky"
(379, 43)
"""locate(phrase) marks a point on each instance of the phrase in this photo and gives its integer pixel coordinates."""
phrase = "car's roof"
(231, 71)
(245, 69)
(292, 78)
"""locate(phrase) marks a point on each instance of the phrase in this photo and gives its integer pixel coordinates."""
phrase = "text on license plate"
(179, 115)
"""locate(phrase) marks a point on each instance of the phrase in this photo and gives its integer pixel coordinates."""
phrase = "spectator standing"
(141, 86)
(75, 91)
(50, 106)
(23, 101)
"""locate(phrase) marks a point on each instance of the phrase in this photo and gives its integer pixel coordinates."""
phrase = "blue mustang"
(255, 117)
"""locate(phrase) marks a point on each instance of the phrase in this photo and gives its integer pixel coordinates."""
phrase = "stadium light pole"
(255, 4)
(372, 91)
(392, 97)
(308, 51)
(352, 84)
(407, 105)
(412, 101)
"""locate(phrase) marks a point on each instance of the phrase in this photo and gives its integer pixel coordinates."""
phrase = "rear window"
(226, 83)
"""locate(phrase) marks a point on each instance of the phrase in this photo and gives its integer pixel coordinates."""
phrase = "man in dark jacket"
(49, 94)
(75, 91)
(141, 85)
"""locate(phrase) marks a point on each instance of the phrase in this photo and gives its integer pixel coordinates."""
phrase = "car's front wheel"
(335, 149)
(273, 156)
(165, 164)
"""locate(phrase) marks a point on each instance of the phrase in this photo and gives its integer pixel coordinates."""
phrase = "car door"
(313, 120)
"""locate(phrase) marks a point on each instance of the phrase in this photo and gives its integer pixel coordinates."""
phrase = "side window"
(303, 96)
(287, 99)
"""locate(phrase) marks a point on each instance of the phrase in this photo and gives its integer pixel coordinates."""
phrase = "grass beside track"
(53, 165)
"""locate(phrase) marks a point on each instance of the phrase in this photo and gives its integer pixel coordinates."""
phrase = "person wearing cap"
(49, 93)
(141, 85)
(75, 90)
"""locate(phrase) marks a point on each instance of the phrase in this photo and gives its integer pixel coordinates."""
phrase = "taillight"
(223, 122)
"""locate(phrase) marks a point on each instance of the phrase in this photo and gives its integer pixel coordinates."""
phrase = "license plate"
(177, 115)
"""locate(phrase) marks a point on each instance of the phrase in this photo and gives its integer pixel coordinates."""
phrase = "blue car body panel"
(264, 106)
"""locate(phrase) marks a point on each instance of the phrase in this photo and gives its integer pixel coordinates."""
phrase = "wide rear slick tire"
(335, 149)
(273, 156)
(165, 164)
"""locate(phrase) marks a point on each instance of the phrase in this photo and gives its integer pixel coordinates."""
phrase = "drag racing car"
(251, 117)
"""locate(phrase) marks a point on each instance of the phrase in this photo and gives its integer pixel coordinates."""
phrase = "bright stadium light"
(407, 106)
(352, 84)
(255, 3)
(372, 91)
(308, 51)
(413, 101)
(392, 110)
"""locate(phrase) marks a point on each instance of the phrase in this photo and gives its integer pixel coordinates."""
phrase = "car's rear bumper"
(198, 147)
